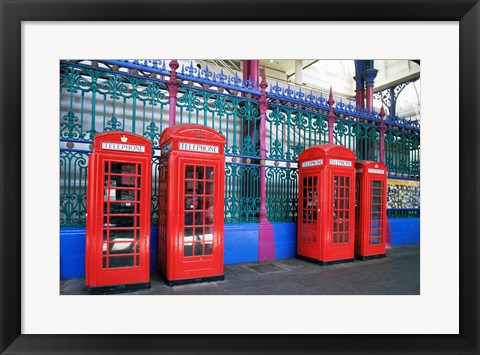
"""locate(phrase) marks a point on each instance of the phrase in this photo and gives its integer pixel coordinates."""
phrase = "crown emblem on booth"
(376, 165)
(200, 135)
(124, 139)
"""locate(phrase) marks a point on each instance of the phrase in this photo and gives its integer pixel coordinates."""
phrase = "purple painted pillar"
(254, 70)
(266, 243)
(173, 86)
(369, 77)
(331, 117)
(383, 128)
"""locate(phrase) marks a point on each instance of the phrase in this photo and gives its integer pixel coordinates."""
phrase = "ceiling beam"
(411, 77)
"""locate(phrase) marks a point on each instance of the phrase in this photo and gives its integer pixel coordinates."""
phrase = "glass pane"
(189, 185)
(208, 234)
(347, 181)
(120, 261)
(209, 203)
(199, 205)
(200, 172)
(199, 218)
(209, 188)
(376, 183)
(121, 246)
(376, 208)
(210, 174)
(122, 168)
(198, 249)
(187, 250)
(208, 249)
(189, 169)
(122, 221)
(198, 234)
(199, 187)
(377, 192)
(189, 203)
(119, 208)
(128, 195)
(188, 218)
(110, 192)
(187, 242)
(376, 199)
(119, 234)
(209, 216)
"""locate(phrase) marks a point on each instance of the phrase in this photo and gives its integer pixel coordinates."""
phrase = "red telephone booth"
(326, 204)
(118, 213)
(370, 210)
(191, 204)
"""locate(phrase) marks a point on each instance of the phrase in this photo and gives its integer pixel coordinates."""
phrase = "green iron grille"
(93, 100)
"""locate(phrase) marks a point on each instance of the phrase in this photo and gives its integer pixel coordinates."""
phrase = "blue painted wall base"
(405, 231)
(240, 243)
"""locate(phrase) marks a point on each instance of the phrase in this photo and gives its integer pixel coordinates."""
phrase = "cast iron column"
(331, 117)
(266, 244)
(369, 77)
(173, 86)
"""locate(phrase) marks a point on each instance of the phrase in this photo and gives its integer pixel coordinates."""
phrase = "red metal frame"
(191, 204)
(118, 210)
(326, 204)
(370, 209)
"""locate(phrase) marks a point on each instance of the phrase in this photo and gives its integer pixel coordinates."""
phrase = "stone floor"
(397, 274)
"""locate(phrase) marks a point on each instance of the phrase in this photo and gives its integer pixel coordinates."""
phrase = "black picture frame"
(13, 12)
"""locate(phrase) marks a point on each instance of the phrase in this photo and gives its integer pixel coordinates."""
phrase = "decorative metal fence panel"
(242, 200)
(95, 99)
(282, 191)
(361, 138)
(290, 131)
(235, 117)
(402, 152)
(73, 188)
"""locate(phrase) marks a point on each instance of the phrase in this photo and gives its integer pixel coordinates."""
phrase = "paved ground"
(397, 274)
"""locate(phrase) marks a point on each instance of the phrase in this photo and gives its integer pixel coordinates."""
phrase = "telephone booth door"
(118, 213)
(308, 216)
(370, 209)
(326, 204)
(191, 238)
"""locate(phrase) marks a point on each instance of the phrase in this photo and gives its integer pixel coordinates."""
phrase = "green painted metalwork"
(361, 138)
(155, 196)
(242, 200)
(402, 152)
(282, 191)
(237, 118)
(73, 188)
(93, 101)
(290, 131)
